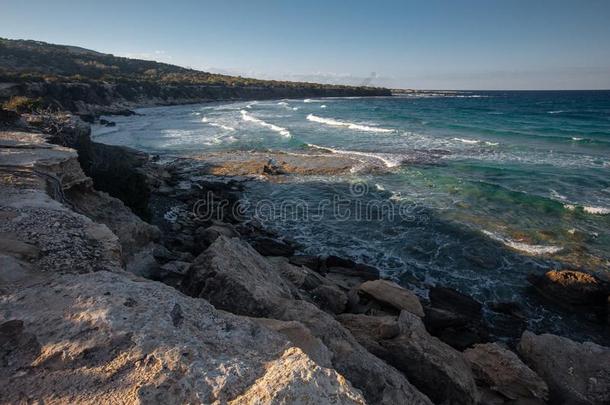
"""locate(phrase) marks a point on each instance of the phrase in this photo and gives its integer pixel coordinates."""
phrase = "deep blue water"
(499, 184)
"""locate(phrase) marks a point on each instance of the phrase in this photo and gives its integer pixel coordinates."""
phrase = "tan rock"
(110, 338)
(394, 295)
(301, 337)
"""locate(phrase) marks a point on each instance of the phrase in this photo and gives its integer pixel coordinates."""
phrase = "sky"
(433, 44)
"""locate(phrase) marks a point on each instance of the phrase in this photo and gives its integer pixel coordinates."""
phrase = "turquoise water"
(500, 184)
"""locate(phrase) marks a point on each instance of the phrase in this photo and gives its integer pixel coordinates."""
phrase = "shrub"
(22, 104)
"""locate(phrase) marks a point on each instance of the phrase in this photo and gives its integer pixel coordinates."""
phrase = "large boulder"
(569, 287)
(576, 373)
(392, 294)
(110, 338)
(435, 368)
(233, 276)
(501, 370)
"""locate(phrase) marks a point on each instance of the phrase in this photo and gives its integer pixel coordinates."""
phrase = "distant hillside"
(67, 75)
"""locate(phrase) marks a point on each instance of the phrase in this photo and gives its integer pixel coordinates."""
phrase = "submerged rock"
(576, 373)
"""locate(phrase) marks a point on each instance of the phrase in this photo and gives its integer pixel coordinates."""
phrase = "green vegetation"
(22, 104)
(26, 61)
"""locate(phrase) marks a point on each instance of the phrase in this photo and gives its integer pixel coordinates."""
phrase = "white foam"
(524, 247)
(475, 141)
(575, 138)
(387, 161)
(596, 210)
(589, 209)
(216, 124)
(555, 112)
(350, 125)
(323, 106)
(464, 140)
(282, 131)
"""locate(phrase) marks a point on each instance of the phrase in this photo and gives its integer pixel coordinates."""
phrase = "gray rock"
(433, 367)
(576, 373)
(329, 298)
(503, 371)
(206, 236)
(234, 277)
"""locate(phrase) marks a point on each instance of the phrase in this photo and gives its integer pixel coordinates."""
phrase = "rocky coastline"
(105, 300)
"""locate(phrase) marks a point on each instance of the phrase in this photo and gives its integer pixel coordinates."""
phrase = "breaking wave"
(524, 247)
(350, 125)
(216, 124)
(282, 131)
(387, 160)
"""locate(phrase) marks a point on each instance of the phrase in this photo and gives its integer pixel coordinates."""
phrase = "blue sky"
(470, 44)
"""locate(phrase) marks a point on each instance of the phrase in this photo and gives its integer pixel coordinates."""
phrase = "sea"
(477, 189)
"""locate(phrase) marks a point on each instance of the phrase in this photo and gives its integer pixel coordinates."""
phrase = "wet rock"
(455, 318)
(501, 370)
(576, 373)
(393, 295)
(272, 247)
(363, 273)
(571, 288)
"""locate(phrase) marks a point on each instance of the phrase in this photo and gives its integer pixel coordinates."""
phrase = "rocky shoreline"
(101, 304)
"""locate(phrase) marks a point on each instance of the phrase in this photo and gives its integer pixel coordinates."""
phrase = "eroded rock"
(106, 338)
